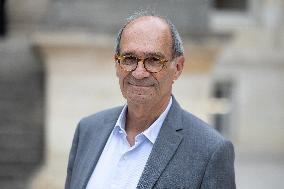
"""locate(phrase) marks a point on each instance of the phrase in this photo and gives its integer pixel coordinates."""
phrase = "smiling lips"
(140, 84)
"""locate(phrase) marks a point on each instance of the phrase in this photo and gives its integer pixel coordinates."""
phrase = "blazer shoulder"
(202, 132)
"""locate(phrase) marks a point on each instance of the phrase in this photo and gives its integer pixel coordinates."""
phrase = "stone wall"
(190, 16)
(21, 110)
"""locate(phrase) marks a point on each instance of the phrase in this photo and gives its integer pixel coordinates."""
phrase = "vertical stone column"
(273, 21)
(22, 113)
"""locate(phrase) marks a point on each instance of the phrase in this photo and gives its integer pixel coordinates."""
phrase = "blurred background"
(56, 66)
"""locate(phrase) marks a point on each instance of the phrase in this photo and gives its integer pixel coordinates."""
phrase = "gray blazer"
(187, 153)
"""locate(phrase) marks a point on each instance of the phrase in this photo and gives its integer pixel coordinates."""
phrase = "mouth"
(141, 84)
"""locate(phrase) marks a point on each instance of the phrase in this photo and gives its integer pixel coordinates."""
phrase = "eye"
(128, 60)
(153, 60)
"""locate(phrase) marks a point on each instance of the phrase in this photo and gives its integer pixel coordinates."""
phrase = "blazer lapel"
(96, 146)
(164, 148)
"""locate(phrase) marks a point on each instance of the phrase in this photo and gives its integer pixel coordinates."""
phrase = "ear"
(178, 67)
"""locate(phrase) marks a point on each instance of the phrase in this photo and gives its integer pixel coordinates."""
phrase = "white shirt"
(120, 165)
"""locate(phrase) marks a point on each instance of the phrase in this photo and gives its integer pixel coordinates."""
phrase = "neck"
(140, 116)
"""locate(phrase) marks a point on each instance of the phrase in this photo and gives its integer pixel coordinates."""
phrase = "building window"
(227, 16)
(232, 5)
(222, 101)
(3, 23)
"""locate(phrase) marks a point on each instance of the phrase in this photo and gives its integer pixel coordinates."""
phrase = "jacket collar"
(164, 148)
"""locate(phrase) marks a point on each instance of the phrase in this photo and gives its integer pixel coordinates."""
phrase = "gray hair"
(177, 46)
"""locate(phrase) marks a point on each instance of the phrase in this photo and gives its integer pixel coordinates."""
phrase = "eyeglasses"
(130, 62)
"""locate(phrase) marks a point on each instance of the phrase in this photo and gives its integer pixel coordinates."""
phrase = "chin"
(139, 98)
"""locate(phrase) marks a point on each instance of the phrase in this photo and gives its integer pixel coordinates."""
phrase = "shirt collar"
(152, 132)
(120, 123)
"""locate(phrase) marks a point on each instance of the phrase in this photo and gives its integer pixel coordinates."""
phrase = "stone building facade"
(235, 68)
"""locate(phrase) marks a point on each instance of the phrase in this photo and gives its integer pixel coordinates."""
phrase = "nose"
(140, 72)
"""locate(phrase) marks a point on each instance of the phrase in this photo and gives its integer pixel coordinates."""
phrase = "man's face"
(143, 37)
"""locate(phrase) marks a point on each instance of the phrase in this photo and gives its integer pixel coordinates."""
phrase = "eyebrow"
(146, 54)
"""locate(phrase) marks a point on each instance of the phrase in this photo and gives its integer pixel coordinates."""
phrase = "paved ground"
(258, 173)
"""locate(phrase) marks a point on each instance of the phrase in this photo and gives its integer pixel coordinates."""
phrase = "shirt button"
(120, 131)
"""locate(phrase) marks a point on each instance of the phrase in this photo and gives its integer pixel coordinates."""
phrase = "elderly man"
(151, 142)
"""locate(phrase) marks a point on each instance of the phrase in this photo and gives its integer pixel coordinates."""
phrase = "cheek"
(165, 79)
(121, 78)
(120, 75)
